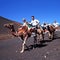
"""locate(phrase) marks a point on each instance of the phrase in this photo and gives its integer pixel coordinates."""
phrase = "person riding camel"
(45, 27)
(34, 22)
(55, 24)
(24, 24)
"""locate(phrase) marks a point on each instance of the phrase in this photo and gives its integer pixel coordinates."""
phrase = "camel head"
(10, 26)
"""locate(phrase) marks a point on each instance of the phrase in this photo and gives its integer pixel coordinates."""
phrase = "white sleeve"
(37, 21)
(42, 25)
(24, 24)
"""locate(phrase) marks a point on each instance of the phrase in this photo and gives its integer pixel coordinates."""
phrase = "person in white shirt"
(55, 24)
(44, 26)
(24, 23)
(34, 22)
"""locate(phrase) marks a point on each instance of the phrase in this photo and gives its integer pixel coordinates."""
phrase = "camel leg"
(23, 45)
(35, 41)
(20, 38)
(49, 35)
(42, 36)
(52, 36)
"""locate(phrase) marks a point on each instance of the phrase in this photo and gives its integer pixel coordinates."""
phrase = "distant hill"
(5, 31)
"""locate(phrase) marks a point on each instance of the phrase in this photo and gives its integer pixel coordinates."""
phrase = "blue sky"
(43, 10)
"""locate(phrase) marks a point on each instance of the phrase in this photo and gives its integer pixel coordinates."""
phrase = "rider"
(34, 22)
(45, 26)
(55, 24)
(24, 23)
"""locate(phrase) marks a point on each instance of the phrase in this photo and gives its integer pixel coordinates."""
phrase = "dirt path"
(49, 50)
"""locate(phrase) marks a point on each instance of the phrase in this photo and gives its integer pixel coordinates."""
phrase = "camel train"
(24, 33)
